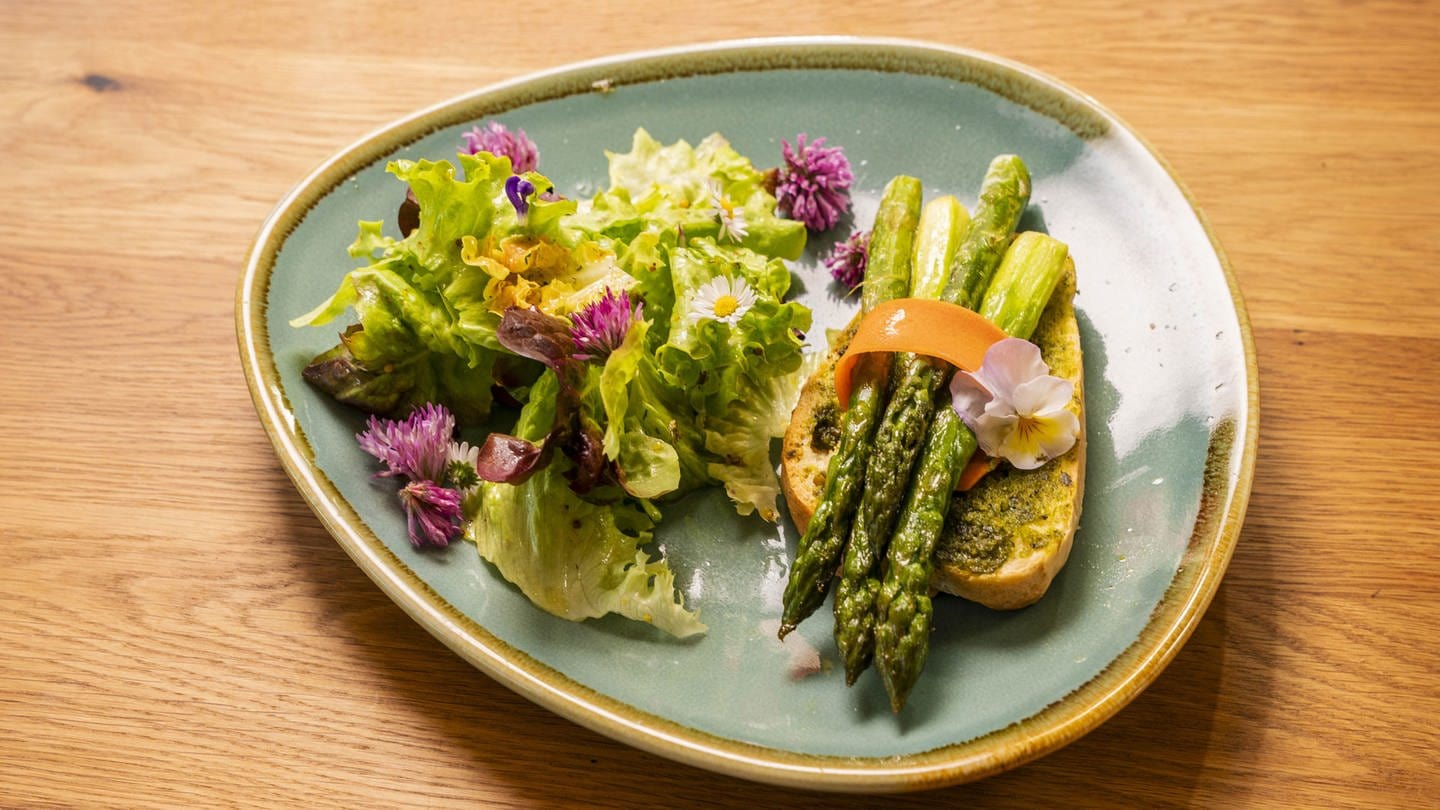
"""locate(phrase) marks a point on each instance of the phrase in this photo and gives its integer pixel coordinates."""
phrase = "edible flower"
(419, 448)
(847, 261)
(496, 139)
(600, 327)
(416, 447)
(1016, 408)
(461, 464)
(525, 271)
(814, 184)
(732, 221)
(518, 189)
(432, 513)
(722, 299)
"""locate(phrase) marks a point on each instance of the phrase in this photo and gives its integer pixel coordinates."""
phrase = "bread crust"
(1035, 550)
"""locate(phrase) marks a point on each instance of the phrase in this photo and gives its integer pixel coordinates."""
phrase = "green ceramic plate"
(1172, 399)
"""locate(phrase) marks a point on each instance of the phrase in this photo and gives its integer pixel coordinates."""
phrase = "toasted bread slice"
(1004, 540)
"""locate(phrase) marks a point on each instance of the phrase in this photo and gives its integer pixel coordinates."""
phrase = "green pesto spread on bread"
(1006, 538)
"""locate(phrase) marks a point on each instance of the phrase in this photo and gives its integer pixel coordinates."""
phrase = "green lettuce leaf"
(709, 397)
(718, 363)
(427, 316)
(575, 559)
(403, 353)
(473, 205)
(650, 428)
(662, 189)
(742, 435)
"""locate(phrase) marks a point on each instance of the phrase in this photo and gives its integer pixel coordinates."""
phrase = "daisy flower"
(814, 183)
(1016, 408)
(461, 463)
(732, 220)
(601, 326)
(722, 299)
(498, 140)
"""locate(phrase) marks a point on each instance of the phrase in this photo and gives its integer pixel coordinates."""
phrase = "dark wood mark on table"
(100, 83)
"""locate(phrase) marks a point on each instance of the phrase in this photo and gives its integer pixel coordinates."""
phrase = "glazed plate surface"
(1171, 401)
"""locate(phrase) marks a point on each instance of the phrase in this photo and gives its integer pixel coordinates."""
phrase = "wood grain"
(179, 630)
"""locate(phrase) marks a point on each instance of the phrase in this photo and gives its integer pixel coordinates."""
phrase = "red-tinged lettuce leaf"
(361, 374)
(544, 338)
(506, 459)
(583, 444)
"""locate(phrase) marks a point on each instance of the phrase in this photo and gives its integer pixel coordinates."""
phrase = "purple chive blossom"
(432, 513)
(813, 186)
(416, 447)
(518, 189)
(601, 326)
(497, 140)
(847, 261)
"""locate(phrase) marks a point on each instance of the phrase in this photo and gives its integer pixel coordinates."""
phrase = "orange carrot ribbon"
(980, 465)
(948, 331)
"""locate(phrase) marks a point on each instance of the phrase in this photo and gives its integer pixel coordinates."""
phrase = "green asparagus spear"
(1017, 295)
(903, 607)
(887, 276)
(942, 228)
(1023, 283)
(1003, 196)
(938, 237)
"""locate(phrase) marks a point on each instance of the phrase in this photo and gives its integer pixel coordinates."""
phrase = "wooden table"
(176, 627)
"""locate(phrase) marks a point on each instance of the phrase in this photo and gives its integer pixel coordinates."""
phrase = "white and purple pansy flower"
(1016, 408)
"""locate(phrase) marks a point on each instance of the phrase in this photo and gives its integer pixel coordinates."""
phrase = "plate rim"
(1216, 530)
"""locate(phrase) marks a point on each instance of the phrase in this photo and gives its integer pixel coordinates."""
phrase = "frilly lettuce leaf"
(576, 559)
(742, 436)
(717, 393)
(473, 205)
(650, 430)
(399, 386)
(440, 290)
(403, 352)
(665, 189)
(718, 363)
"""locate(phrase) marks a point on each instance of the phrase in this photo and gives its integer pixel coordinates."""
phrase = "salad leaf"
(640, 413)
(429, 304)
(400, 384)
(666, 190)
(400, 354)
(575, 559)
(718, 363)
(473, 205)
(742, 436)
(509, 459)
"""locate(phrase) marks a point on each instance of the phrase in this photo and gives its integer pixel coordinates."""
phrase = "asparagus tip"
(897, 686)
(854, 667)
